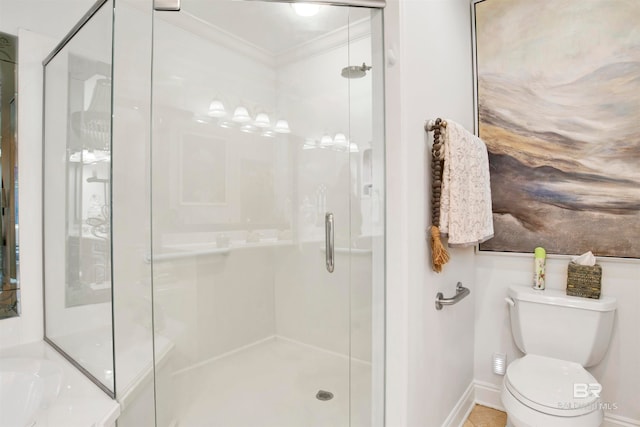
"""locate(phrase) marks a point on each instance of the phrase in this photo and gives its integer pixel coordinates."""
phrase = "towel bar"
(461, 292)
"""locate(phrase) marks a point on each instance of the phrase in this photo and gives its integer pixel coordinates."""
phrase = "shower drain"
(324, 395)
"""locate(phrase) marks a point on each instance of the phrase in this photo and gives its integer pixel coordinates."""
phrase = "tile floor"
(482, 416)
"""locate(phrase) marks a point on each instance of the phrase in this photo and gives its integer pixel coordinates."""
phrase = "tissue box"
(584, 280)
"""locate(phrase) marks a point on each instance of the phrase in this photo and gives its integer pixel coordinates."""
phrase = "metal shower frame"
(378, 4)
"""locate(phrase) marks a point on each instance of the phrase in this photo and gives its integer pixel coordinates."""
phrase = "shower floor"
(274, 384)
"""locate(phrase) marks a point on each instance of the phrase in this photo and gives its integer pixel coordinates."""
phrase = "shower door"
(263, 189)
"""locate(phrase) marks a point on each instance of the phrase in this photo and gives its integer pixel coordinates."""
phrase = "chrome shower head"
(355, 71)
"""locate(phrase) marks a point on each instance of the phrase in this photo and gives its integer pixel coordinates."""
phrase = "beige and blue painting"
(558, 105)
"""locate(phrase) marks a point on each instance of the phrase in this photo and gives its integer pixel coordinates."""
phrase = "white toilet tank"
(550, 323)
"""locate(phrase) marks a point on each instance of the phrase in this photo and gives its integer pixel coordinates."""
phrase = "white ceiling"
(273, 27)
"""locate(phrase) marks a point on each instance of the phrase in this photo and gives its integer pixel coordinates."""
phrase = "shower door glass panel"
(366, 191)
(251, 148)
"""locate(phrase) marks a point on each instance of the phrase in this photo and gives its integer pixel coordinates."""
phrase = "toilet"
(561, 336)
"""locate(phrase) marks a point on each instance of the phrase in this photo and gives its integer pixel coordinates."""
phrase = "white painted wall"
(432, 77)
(429, 352)
(619, 372)
(397, 374)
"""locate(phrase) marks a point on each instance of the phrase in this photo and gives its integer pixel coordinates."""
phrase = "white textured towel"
(465, 203)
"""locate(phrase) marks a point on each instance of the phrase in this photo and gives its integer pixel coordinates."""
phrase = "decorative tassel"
(439, 253)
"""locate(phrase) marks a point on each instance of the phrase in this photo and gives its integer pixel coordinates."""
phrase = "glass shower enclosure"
(215, 173)
(77, 197)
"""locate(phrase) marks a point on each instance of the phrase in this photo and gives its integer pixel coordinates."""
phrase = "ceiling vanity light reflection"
(242, 119)
(226, 124)
(282, 126)
(248, 128)
(262, 120)
(241, 115)
(306, 9)
(216, 109)
(309, 144)
(340, 140)
(326, 141)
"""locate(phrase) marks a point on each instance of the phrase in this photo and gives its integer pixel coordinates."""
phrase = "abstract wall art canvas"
(558, 105)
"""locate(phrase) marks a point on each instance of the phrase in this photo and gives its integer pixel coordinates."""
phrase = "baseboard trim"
(488, 394)
(463, 408)
(611, 420)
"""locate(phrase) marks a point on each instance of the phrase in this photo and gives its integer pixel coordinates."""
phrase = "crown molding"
(358, 30)
(215, 34)
(324, 43)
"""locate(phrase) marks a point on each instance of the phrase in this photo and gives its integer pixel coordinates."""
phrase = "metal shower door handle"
(328, 240)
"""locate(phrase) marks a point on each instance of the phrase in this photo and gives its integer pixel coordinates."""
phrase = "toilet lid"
(549, 385)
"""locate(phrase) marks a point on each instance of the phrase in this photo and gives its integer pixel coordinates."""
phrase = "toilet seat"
(547, 385)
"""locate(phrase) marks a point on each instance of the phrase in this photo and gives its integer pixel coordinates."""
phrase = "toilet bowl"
(539, 392)
(560, 336)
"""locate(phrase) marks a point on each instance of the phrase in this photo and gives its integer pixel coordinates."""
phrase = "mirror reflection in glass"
(88, 250)
(9, 248)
